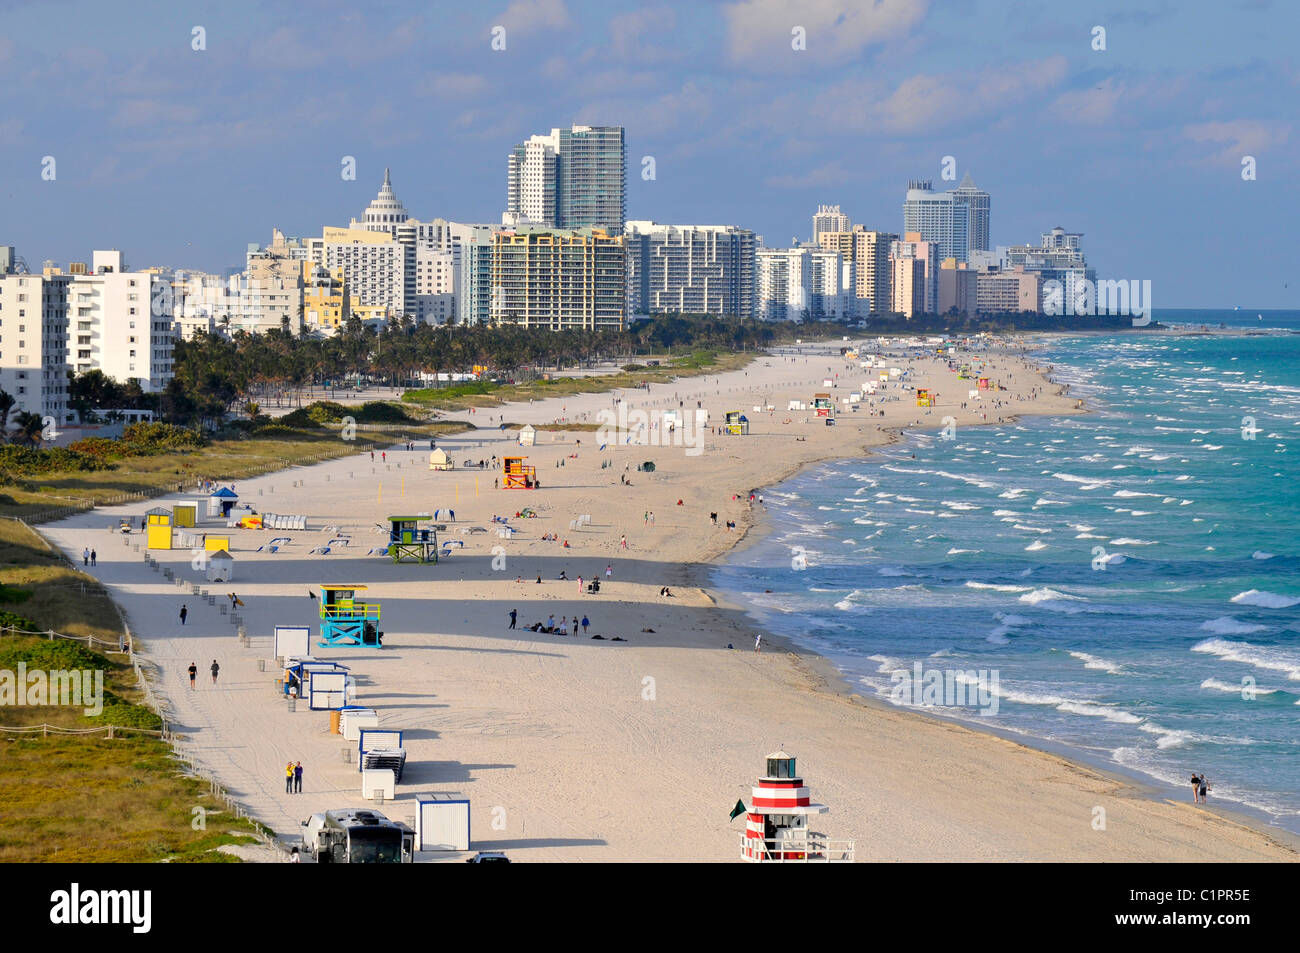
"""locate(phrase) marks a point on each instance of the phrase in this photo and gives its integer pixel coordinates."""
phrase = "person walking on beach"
(623, 542)
(609, 570)
(85, 556)
(215, 669)
(758, 642)
(585, 622)
(93, 557)
(1196, 789)
(372, 456)
(184, 612)
(514, 617)
(1205, 787)
(297, 777)
(564, 626)
(194, 671)
(579, 585)
(288, 778)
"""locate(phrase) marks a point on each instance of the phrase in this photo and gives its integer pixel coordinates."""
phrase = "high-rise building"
(869, 252)
(33, 339)
(1058, 257)
(939, 217)
(571, 178)
(828, 218)
(378, 270)
(957, 287)
(927, 253)
(473, 280)
(977, 202)
(907, 286)
(562, 279)
(113, 327)
(690, 269)
(1001, 292)
(833, 295)
(784, 284)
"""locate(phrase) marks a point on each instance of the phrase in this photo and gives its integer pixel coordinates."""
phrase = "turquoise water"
(1132, 576)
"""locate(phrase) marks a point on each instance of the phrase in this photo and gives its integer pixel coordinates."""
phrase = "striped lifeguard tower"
(776, 824)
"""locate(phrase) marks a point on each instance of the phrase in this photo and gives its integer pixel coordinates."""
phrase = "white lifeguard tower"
(776, 824)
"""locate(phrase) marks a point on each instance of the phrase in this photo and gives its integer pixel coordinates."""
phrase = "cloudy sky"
(180, 156)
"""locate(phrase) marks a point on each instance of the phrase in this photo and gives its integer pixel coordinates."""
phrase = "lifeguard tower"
(344, 620)
(736, 423)
(158, 528)
(408, 543)
(516, 476)
(439, 460)
(923, 398)
(823, 404)
(982, 383)
(776, 825)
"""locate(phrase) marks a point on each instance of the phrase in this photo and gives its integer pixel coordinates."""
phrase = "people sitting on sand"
(666, 593)
(563, 577)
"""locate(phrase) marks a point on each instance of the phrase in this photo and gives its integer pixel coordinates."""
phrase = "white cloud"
(1237, 138)
(835, 29)
(526, 16)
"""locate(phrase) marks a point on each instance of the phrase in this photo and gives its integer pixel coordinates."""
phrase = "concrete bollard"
(347, 754)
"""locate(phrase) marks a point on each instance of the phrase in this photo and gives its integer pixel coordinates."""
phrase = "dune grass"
(88, 798)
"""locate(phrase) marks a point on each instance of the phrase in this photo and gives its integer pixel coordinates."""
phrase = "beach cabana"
(222, 502)
(158, 528)
(219, 566)
(527, 435)
(185, 514)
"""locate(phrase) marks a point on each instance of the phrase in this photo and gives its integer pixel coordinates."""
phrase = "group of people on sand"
(550, 628)
(293, 777)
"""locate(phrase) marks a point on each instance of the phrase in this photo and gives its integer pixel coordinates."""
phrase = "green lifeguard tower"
(346, 621)
(407, 542)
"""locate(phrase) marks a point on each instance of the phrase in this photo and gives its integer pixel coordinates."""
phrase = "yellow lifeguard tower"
(923, 398)
(158, 528)
(736, 423)
(515, 475)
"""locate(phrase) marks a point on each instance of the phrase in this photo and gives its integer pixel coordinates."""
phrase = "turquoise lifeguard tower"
(407, 542)
(346, 621)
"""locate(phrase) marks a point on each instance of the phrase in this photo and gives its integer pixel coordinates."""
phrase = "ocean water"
(1131, 575)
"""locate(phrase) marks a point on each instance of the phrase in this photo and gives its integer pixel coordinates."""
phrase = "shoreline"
(838, 681)
(490, 697)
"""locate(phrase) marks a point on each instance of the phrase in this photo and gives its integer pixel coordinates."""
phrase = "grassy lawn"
(89, 798)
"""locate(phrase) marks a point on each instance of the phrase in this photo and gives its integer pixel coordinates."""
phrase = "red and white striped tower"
(776, 825)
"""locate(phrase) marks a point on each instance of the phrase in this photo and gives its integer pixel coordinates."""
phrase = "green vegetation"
(90, 798)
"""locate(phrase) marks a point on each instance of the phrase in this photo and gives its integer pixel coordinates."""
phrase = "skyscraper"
(940, 217)
(828, 218)
(572, 178)
(690, 269)
(977, 201)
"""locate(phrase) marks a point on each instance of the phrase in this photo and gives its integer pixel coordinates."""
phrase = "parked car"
(488, 857)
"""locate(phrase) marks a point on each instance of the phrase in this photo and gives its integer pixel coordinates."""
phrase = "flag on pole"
(738, 810)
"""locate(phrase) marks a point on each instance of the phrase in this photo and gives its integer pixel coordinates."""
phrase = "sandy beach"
(581, 749)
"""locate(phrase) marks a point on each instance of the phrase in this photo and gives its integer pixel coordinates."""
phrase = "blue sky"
(180, 157)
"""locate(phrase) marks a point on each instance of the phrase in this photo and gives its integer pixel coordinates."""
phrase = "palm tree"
(30, 429)
(7, 402)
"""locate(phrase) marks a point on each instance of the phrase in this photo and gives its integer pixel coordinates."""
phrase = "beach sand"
(575, 749)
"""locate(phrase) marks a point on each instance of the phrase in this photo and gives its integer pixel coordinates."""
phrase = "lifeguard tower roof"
(225, 493)
(394, 519)
(341, 585)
